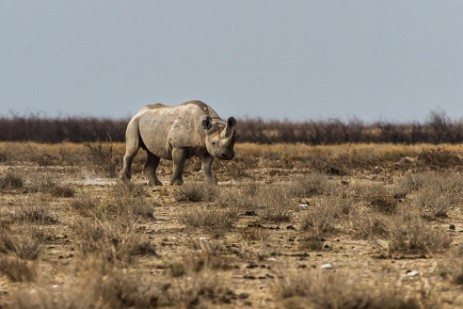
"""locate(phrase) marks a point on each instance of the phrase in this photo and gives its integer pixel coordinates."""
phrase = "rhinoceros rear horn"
(230, 128)
(207, 123)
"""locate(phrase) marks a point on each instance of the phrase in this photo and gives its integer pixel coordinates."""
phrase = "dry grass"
(17, 269)
(115, 239)
(25, 244)
(195, 192)
(257, 239)
(11, 180)
(323, 217)
(216, 221)
(343, 290)
(410, 235)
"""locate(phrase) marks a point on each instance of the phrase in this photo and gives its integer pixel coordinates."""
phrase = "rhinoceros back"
(163, 127)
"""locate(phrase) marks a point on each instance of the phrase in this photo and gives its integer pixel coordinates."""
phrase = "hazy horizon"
(294, 60)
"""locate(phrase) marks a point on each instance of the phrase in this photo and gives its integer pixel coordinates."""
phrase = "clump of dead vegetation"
(317, 289)
(323, 217)
(115, 239)
(195, 192)
(11, 180)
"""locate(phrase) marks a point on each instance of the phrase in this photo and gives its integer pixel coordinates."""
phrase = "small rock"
(252, 265)
(250, 277)
(412, 273)
(327, 266)
(290, 227)
(303, 206)
(452, 227)
(250, 213)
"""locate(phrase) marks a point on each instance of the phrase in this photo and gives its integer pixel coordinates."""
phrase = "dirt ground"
(274, 242)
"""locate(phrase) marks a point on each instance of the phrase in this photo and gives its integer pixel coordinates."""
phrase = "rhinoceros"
(177, 133)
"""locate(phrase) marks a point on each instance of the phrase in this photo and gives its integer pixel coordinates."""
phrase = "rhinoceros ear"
(207, 123)
(231, 125)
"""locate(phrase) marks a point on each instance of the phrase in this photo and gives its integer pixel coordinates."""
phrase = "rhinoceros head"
(220, 137)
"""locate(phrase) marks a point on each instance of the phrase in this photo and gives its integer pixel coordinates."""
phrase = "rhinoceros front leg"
(178, 158)
(152, 163)
(206, 166)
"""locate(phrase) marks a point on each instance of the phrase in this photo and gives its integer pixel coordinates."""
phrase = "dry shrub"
(17, 270)
(453, 268)
(322, 217)
(313, 243)
(382, 201)
(433, 204)
(35, 212)
(215, 220)
(85, 205)
(25, 243)
(115, 239)
(101, 157)
(309, 185)
(274, 205)
(409, 235)
(255, 234)
(413, 182)
(48, 184)
(125, 189)
(440, 192)
(11, 180)
(96, 284)
(62, 191)
(208, 255)
(439, 158)
(126, 199)
(315, 289)
(195, 192)
(241, 197)
(370, 226)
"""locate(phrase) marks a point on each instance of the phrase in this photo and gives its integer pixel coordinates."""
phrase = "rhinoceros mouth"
(227, 156)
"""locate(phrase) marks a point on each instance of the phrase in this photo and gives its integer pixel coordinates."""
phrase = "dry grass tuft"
(114, 239)
(11, 180)
(17, 270)
(370, 226)
(35, 212)
(409, 235)
(102, 158)
(322, 290)
(25, 244)
(309, 185)
(49, 184)
(218, 221)
(274, 205)
(323, 217)
(208, 255)
(195, 192)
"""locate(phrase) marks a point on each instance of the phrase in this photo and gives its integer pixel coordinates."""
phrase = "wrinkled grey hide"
(177, 133)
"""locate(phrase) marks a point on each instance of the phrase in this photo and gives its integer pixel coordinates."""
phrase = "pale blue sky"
(375, 60)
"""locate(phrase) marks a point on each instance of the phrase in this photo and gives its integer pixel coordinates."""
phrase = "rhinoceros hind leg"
(178, 158)
(130, 153)
(152, 163)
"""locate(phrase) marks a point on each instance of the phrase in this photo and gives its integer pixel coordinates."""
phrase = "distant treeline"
(437, 129)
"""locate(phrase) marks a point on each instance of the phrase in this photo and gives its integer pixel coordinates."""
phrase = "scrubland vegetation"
(437, 128)
(287, 226)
